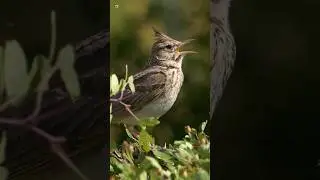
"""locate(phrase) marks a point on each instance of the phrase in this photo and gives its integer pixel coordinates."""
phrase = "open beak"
(183, 44)
(186, 42)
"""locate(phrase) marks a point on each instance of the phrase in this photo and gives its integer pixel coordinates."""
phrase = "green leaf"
(111, 116)
(114, 84)
(145, 140)
(44, 65)
(111, 168)
(183, 156)
(153, 175)
(183, 144)
(129, 134)
(34, 68)
(15, 70)
(126, 77)
(122, 85)
(149, 122)
(154, 163)
(163, 156)
(143, 175)
(205, 164)
(117, 166)
(131, 85)
(201, 175)
(65, 60)
(203, 126)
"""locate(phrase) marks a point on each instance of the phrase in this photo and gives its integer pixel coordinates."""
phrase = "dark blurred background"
(267, 124)
(29, 23)
(131, 40)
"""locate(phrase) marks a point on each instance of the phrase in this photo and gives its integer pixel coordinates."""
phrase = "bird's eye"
(169, 46)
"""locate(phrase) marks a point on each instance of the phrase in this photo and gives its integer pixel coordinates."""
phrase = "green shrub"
(140, 158)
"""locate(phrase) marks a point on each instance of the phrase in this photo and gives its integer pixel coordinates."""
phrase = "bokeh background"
(131, 25)
(266, 126)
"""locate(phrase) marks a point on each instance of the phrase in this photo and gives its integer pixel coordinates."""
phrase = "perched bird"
(223, 50)
(157, 85)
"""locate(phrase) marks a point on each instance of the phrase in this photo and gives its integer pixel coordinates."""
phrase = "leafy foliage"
(15, 70)
(140, 158)
(65, 62)
(185, 159)
(16, 82)
(117, 86)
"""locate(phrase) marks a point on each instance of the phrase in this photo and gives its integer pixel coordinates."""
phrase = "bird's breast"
(164, 103)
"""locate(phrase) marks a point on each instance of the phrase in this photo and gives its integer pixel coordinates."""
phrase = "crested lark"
(157, 85)
(223, 50)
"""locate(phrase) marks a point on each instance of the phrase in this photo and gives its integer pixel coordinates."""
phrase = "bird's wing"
(149, 85)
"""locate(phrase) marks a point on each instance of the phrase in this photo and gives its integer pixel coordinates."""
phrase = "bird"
(157, 85)
(223, 50)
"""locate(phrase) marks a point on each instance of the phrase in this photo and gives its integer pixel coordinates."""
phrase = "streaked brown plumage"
(223, 50)
(157, 85)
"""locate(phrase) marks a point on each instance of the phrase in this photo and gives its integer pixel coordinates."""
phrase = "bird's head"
(168, 50)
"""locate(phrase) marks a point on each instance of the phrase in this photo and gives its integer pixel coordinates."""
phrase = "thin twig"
(126, 106)
(41, 90)
(53, 36)
(56, 148)
(40, 132)
(9, 102)
(49, 137)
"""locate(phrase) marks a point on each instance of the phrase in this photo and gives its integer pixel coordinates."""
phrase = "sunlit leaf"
(15, 70)
(163, 156)
(203, 126)
(149, 122)
(122, 84)
(143, 176)
(145, 140)
(114, 84)
(201, 175)
(205, 163)
(126, 77)
(116, 165)
(183, 144)
(129, 134)
(153, 162)
(178, 161)
(131, 85)
(65, 60)
(153, 175)
(111, 168)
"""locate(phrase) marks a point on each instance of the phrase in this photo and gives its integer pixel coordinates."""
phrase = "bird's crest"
(159, 36)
